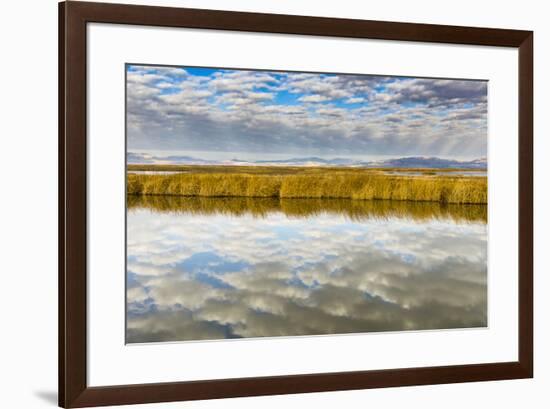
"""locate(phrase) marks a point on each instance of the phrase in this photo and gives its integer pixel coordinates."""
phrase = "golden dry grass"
(284, 182)
(286, 170)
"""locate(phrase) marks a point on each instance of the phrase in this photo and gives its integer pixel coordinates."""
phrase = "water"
(207, 268)
(461, 173)
(155, 172)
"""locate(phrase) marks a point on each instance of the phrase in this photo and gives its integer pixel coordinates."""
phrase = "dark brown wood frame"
(73, 388)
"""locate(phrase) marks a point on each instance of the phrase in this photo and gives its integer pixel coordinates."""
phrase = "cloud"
(313, 98)
(439, 92)
(260, 95)
(268, 113)
(355, 100)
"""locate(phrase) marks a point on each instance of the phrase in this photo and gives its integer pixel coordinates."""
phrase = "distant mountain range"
(404, 162)
(431, 162)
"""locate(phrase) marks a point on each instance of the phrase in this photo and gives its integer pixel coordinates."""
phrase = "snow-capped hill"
(430, 162)
(403, 162)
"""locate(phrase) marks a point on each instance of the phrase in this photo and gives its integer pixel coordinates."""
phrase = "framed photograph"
(255, 204)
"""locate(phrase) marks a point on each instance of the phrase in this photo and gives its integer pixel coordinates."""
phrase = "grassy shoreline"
(283, 183)
(286, 170)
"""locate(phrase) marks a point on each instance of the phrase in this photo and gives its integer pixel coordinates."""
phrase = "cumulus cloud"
(354, 100)
(313, 98)
(266, 113)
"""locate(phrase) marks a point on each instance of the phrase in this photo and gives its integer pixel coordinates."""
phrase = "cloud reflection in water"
(215, 273)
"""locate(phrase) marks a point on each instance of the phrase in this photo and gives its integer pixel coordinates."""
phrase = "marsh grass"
(356, 210)
(288, 170)
(318, 183)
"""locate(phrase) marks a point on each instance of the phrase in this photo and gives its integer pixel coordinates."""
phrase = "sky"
(257, 115)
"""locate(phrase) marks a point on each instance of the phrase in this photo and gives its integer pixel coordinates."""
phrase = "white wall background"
(28, 207)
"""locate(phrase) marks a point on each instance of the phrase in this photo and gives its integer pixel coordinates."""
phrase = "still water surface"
(461, 173)
(208, 268)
